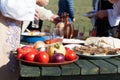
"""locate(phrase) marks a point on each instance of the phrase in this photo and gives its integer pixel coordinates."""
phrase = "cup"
(92, 32)
(58, 33)
(35, 24)
(47, 29)
(81, 32)
(75, 31)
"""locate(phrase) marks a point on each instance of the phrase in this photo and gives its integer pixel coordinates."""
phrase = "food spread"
(96, 50)
(99, 46)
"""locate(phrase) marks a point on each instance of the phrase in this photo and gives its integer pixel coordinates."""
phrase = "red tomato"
(42, 57)
(50, 41)
(66, 48)
(29, 56)
(70, 55)
(24, 50)
(28, 49)
(20, 52)
(33, 50)
(19, 55)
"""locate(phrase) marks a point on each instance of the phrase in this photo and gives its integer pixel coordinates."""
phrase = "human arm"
(113, 1)
(45, 14)
(22, 10)
(18, 9)
(42, 3)
(102, 14)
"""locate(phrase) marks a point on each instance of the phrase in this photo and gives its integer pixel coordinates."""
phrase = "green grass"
(80, 6)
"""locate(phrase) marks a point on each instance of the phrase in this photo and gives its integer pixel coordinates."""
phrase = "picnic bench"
(82, 69)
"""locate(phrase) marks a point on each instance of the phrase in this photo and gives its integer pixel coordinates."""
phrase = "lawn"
(81, 7)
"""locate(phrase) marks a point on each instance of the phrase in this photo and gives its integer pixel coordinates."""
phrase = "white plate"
(72, 41)
(97, 56)
(91, 14)
(33, 34)
(71, 46)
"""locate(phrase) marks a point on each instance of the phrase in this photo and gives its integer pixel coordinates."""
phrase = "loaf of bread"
(103, 42)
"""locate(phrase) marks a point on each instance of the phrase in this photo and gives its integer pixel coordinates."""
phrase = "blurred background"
(81, 7)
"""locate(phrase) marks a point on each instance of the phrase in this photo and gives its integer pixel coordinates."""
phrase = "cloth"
(10, 40)
(44, 14)
(18, 9)
(12, 13)
(114, 14)
(66, 6)
(102, 25)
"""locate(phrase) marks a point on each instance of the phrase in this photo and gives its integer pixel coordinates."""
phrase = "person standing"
(103, 26)
(12, 13)
(113, 16)
(68, 7)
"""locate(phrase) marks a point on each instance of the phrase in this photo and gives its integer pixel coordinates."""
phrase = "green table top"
(80, 67)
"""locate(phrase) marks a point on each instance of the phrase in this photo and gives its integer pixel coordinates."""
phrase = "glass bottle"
(68, 28)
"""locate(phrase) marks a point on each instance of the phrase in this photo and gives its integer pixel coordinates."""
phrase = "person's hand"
(102, 14)
(42, 2)
(55, 19)
(73, 19)
(90, 14)
(113, 1)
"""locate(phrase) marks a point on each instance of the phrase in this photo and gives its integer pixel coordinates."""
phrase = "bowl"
(32, 37)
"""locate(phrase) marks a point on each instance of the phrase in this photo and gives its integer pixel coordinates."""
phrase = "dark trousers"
(104, 29)
(118, 30)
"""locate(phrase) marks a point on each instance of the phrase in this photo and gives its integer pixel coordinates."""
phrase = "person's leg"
(113, 31)
(102, 28)
(118, 30)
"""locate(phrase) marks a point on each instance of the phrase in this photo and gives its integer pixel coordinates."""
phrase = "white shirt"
(44, 14)
(18, 9)
(114, 14)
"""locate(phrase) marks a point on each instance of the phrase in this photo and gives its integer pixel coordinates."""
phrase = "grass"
(80, 6)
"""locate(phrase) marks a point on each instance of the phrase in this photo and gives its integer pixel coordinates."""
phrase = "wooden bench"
(83, 69)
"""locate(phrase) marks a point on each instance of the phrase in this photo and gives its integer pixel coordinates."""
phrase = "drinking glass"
(47, 29)
(35, 24)
(58, 32)
(92, 32)
(75, 31)
(81, 32)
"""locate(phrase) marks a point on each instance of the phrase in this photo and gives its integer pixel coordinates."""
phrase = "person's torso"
(104, 4)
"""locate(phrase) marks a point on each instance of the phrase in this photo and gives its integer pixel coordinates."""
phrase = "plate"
(100, 56)
(34, 33)
(48, 64)
(71, 46)
(34, 36)
(90, 14)
(97, 56)
(73, 41)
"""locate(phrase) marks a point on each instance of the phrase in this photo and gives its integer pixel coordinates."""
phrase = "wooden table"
(83, 69)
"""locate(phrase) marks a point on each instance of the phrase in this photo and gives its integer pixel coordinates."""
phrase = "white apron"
(9, 40)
